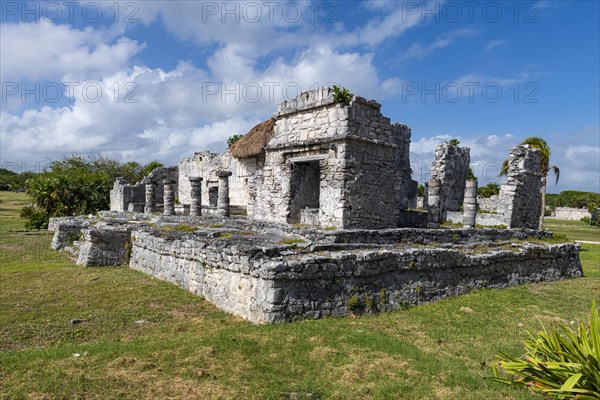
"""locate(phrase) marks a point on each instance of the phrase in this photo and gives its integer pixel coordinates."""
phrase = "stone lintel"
(316, 157)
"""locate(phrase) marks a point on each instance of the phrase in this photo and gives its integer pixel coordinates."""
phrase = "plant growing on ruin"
(560, 362)
(382, 296)
(341, 95)
(470, 174)
(233, 138)
(454, 142)
(545, 169)
(291, 241)
(353, 303)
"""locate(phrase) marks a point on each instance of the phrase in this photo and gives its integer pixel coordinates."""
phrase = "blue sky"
(161, 80)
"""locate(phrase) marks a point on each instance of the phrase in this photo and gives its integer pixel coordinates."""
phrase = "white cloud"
(419, 51)
(45, 51)
(493, 44)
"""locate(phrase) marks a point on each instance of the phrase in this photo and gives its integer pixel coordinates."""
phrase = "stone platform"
(268, 272)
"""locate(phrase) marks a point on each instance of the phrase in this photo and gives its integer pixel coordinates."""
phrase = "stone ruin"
(309, 215)
(133, 197)
(450, 166)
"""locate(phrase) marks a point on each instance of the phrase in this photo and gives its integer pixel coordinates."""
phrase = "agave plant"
(560, 362)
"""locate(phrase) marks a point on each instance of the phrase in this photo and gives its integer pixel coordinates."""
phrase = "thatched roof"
(253, 143)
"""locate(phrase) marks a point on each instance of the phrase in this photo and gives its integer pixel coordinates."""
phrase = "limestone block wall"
(221, 274)
(206, 165)
(450, 166)
(362, 157)
(258, 278)
(520, 196)
(571, 214)
(482, 219)
(488, 204)
(278, 289)
(104, 245)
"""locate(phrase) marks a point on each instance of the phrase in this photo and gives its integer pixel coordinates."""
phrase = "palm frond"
(556, 171)
(503, 168)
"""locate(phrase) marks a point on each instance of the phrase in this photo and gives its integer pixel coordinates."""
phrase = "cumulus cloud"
(45, 51)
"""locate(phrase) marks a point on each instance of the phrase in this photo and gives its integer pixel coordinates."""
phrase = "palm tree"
(545, 169)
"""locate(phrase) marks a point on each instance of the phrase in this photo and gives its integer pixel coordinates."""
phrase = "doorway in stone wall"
(305, 185)
(213, 195)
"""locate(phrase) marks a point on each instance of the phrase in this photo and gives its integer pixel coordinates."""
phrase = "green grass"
(187, 349)
(576, 230)
(10, 205)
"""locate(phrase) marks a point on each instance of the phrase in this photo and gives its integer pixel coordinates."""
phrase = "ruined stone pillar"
(169, 197)
(434, 204)
(450, 166)
(223, 199)
(520, 198)
(149, 206)
(196, 196)
(470, 204)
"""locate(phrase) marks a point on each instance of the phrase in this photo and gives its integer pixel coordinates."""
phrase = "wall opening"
(213, 195)
(305, 190)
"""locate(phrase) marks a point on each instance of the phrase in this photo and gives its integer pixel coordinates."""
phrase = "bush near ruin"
(77, 185)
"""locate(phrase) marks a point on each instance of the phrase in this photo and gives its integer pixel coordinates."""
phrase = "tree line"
(76, 185)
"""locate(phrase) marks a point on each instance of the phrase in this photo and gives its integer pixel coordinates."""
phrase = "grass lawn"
(141, 338)
(576, 230)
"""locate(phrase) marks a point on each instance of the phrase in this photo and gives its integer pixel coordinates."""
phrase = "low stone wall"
(271, 285)
(246, 269)
(488, 204)
(482, 219)
(571, 214)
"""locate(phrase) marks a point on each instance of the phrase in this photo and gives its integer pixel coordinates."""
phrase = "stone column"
(196, 195)
(169, 197)
(434, 204)
(470, 204)
(520, 198)
(150, 193)
(450, 166)
(223, 199)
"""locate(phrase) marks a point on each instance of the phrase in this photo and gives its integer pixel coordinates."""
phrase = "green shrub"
(35, 218)
(573, 198)
(341, 95)
(78, 185)
(489, 190)
(560, 362)
(233, 138)
(454, 142)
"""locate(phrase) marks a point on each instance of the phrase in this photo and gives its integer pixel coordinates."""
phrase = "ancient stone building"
(207, 165)
(450, 167)
(323, 163)
(132, 197)
(317, 162)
